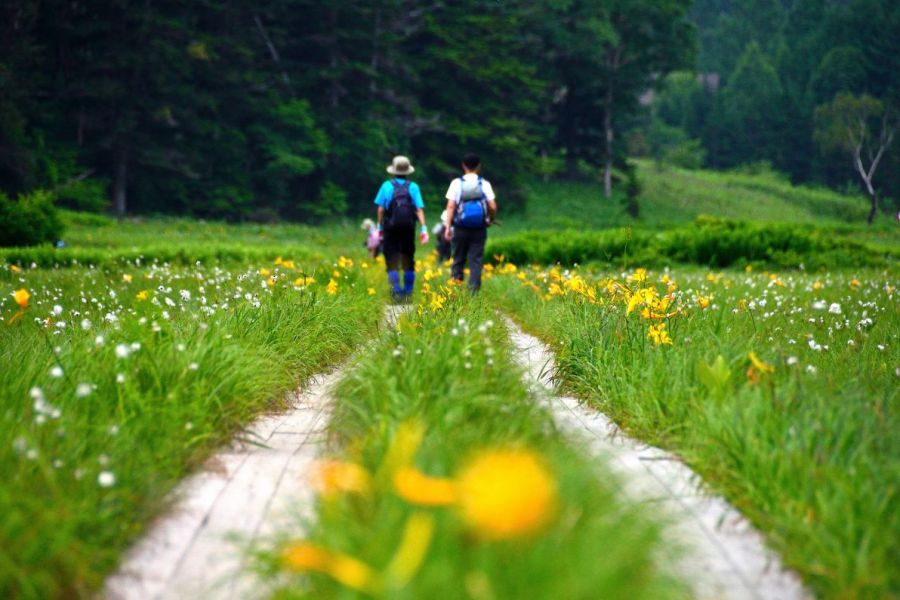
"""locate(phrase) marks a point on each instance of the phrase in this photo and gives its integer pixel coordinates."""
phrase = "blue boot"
(394, 281)
(409, 280)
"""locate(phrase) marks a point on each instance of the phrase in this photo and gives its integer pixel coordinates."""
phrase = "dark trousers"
(399, 247)
(468, 246)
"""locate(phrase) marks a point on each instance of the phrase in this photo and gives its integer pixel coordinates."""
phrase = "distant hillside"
(674, 196)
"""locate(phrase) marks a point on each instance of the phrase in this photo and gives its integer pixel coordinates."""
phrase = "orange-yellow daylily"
(348, 571)
(21, 297)
(334, 476)
(418, 488)
(659, 335)
(507, 493)
(761, 366)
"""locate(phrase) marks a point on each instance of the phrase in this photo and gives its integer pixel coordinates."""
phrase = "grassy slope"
(676, 196)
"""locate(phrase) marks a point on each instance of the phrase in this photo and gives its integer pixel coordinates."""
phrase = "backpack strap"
(481, 188)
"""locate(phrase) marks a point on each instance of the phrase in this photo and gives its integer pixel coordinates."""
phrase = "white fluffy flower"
(106, 479)
(56, 372)
(83, 390)
(835, 308)
(122, 350)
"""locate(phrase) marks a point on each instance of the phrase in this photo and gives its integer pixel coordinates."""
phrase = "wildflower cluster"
(656, 303)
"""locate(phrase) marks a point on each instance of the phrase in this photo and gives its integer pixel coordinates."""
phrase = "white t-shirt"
(453, 192)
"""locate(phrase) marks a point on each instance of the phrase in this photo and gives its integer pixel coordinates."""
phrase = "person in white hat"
(400, 206)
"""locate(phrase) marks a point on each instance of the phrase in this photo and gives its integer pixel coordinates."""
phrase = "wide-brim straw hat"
(400, 166)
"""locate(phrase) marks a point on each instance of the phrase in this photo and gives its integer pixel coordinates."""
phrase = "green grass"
(145, 390)
(451, 372)
(94, 240)
(810, 453)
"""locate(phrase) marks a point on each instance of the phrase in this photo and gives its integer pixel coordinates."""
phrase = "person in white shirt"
(471, 208)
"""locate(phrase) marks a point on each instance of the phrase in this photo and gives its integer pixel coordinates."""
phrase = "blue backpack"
(471, 212)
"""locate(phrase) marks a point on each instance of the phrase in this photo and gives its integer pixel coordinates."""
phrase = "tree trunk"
(874, 198)
(120, 179)
(608, 140)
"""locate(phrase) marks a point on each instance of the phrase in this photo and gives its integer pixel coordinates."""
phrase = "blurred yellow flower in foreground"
(332, 287)
(418, 488)
(15, 269)
(21, 297)
(500, 494)
(357, 575)
(142, 295)
(371, 291)
(344, 569)
(126, 278)
(507, 493)
(333, 476)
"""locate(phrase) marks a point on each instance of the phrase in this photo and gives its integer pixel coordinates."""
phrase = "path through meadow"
(261, 483)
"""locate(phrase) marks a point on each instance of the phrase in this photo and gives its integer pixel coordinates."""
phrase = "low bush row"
(708, 241)
(185, 254)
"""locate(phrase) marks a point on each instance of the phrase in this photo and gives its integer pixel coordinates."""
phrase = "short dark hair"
(471, 161)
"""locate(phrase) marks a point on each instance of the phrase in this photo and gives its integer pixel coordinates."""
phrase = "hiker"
(442, 244)
(400, 205)
(471, 208)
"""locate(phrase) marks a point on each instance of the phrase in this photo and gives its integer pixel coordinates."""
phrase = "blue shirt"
(383, 198)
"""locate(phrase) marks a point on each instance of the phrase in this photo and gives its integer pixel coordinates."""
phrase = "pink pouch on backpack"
(373, 240)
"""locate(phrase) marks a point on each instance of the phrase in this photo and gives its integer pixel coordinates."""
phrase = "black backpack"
(401, 212)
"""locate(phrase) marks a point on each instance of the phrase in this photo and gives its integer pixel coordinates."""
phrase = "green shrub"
(29, 220)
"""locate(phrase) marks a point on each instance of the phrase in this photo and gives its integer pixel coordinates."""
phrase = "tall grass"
(116, 382)
(809, 451)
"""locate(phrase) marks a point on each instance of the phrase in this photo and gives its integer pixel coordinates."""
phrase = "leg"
(408, 261)
(476, 258)
(392, 260)
(460, 249)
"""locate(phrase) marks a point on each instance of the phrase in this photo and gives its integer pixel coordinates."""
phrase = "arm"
(451, 210)
(380, 218)
(420, 214)
(492, 209)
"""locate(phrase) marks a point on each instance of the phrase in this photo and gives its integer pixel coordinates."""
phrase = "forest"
(290, 109)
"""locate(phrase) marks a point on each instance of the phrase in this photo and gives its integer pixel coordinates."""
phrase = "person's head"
(400, 167)
(471, 163)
